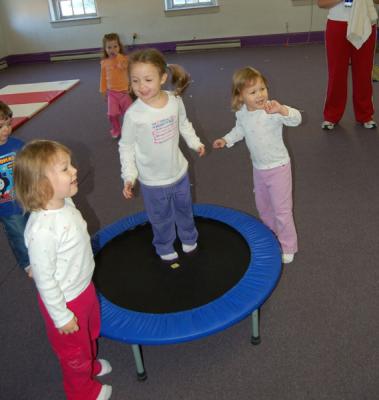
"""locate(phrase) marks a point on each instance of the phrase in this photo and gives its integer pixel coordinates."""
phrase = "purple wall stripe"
(246, 41)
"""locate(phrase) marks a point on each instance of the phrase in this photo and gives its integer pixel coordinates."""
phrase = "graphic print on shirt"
(164, 129)
(7, 192)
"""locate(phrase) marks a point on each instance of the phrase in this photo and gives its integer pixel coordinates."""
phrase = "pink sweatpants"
(340, 52)
(77, 351)
(273, 198)
(118, 103)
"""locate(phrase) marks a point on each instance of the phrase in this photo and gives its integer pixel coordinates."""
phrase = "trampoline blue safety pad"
(246, 296)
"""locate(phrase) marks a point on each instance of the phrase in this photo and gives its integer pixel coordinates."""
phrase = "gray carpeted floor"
(319, 328)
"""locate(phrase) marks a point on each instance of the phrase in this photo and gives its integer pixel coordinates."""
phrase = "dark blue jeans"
(167, 206)
(14, 229)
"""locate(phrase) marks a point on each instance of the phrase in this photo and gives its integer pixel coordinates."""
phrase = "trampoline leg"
(141, 373)
(255, 338)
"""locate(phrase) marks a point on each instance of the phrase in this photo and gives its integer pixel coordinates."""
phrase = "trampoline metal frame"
(137, 348)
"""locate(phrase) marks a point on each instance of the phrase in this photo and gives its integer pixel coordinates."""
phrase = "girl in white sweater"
(62, 265)
(260, 122)
(149, 151)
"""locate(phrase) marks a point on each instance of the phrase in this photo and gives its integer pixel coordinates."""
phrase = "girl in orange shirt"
(114, 80)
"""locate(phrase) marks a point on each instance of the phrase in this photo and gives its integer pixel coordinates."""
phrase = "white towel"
(363, 15)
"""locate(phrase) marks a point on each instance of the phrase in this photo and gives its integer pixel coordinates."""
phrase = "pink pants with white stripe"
(273, 198)
(118, 103)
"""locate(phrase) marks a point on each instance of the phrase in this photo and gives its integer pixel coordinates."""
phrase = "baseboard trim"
(3, 64)
(209, 45)
(76, 56)
(181, 46)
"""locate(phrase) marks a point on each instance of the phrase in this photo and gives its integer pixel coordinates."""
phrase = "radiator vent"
(212, 44)
(75, 56)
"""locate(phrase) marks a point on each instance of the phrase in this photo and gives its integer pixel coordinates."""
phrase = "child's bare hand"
(219, 143)
(70, 327)
(273, 107)
(128, 190)
(201, 151)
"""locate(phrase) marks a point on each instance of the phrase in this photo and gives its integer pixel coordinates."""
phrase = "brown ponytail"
(180, 78)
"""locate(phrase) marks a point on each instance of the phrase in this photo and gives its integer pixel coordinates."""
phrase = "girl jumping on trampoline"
(260, 122)
(114, 81)
(62, 265)
(149, 150)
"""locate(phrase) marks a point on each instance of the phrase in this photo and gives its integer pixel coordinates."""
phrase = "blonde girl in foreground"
(62, 265)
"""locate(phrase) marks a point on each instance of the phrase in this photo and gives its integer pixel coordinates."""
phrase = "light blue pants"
(14, 229)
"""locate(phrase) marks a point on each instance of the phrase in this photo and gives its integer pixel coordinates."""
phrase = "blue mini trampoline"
(146, 302)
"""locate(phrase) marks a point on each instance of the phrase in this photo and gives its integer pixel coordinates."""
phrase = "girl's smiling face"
(63, 179)
(146, 82)
(254, 95)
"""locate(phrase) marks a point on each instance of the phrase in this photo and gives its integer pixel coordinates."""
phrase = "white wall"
(27, 26)
(3, 49)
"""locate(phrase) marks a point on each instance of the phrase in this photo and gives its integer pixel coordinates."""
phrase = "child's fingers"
(126, 194)
(128, 190)
(218, 144)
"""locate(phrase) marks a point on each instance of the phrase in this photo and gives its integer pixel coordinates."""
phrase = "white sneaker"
(189, 248)
(105, 393)
(327, 125)
(370, 124)
(169, 257)
(106, 367)
(287, 258)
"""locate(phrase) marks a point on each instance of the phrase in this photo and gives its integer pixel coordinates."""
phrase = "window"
(186, 4)
(72, 9)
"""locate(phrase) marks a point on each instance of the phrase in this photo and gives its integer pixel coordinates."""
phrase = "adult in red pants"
(340, 53)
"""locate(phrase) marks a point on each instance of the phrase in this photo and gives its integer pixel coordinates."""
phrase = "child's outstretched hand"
(201, 150)
(219, 143)
(71, 327)
(128, 190)
(273, 107)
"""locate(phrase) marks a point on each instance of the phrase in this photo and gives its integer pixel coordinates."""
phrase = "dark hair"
(5, 111)
(241, 78)
(112, 36)
(180, 78)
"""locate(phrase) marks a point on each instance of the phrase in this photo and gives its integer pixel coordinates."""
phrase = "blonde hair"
(33, 188)
(109, 37)
(180, 78)
(241, 78)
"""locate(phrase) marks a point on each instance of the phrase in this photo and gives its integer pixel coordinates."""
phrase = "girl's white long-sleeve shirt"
(263, 134)
(60, 256)
(149, 144)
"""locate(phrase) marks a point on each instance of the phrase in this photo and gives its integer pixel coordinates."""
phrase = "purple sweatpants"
(273, 198)
(167, 206)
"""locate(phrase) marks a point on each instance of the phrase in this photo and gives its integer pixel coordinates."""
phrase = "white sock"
(106, 367)
(187, 248)
(105, 392)
(169, 257)
(287, 258)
